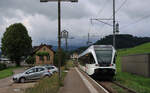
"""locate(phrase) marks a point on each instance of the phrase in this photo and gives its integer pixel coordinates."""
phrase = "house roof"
(36, 48)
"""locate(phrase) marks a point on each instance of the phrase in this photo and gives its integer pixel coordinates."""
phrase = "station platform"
(76, 82)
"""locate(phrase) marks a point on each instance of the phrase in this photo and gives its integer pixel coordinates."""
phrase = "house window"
(41, 58)
(48, 57)
(44, 49)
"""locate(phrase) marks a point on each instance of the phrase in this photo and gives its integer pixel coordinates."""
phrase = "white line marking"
(97, 84)
(87, 83)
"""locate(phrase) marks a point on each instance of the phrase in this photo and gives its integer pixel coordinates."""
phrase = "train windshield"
(104, 56)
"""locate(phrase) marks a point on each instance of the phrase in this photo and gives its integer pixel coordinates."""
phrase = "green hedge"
(2, 66)
(42, 53)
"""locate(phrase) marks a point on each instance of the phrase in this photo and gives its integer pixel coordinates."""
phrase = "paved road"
(8, 86)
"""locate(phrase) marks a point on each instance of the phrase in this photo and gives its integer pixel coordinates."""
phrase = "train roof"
(93, 47)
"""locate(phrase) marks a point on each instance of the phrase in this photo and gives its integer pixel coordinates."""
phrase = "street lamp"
(59, 30)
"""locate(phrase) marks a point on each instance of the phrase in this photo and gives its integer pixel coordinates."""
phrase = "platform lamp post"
(117, 28)
(59, 29)
(65, 35)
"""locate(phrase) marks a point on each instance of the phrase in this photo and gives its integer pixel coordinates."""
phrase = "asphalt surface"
(8, 86)
(76, 83)
(73, 83)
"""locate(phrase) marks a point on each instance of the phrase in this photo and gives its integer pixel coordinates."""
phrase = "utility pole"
(88, 42)
(114, 24)
(88, 39)
(59, 39)
(59, 30)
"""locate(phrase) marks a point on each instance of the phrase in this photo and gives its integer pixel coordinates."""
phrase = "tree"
(16, 43)
(30, 60)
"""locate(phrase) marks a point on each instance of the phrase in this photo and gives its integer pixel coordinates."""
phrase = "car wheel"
(22, 80)
(46, 76)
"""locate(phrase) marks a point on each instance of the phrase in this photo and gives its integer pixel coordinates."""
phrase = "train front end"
(105, 61)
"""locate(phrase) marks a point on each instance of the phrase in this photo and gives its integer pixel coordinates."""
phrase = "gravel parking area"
(8, 86)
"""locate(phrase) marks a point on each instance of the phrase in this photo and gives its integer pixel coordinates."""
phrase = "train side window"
(86, 59)
(114, 61)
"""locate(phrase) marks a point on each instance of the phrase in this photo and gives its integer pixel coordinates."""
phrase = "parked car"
(33, 73)
(52, 68)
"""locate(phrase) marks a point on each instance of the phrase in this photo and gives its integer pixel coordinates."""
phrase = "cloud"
(41, 18)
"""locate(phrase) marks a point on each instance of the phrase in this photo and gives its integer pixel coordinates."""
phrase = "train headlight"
(97, 65)
(111, 64)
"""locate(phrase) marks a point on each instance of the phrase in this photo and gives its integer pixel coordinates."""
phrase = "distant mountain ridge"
(70, 48)
(123, 41)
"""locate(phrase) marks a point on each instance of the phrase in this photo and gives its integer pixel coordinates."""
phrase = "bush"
(2, 66)
(63, 58)
(30, 60)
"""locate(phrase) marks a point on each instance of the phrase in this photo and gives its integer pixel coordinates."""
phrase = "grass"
(144, 48)
(138, 83)
(50, 85)
(7, 72)
(47, 85)
(70, 64)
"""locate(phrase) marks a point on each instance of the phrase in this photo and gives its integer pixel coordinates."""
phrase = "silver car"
(52, 68)
(33, 73)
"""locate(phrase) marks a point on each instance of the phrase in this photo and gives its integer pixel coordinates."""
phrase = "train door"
(82, 61)
(90, 66)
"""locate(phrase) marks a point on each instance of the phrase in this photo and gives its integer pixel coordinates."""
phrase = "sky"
(40, 19)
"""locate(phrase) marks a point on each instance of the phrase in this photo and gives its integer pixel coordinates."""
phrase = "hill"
(144, 48)
(123, 41)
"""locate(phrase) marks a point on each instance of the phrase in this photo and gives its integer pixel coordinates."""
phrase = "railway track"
(106, 84)
(127, 89)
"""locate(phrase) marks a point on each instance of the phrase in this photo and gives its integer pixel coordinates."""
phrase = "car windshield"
(104, 56)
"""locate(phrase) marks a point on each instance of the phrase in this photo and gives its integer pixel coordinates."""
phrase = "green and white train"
(98, 61)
